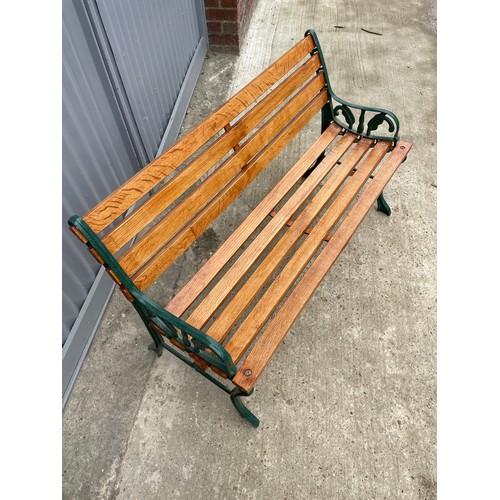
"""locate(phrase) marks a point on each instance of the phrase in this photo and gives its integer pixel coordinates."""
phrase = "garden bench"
(231, 316)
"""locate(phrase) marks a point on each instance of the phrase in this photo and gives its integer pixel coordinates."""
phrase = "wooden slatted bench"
(232, 315)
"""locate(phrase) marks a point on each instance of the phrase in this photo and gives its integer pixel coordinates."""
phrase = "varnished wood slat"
(258, 246)
(173, 248)
(267, 344)
(78, 234)
(96, 255)
(129, 227)
(236, 146)
(149, 243)
(254, 283)
(107, 211)
(188, 294)
(252, 324)
(291, 221)
(114, 277)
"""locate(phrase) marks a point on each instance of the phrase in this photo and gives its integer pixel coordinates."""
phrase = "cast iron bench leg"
(382, 205)
(156, 348)
(235, 395)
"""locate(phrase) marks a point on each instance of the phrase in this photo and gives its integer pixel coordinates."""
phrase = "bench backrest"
(200, 175)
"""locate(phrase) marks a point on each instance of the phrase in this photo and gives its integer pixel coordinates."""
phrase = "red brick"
(227, 40)
(227, 22)
(214, 27)
(221, 14)
(230, 28)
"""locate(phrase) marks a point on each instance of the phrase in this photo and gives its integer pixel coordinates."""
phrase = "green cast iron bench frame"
(229, 319)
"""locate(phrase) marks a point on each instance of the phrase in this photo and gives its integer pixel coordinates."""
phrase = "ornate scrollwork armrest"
(356, 121)
(190, 338)
(159, 321)
(360, 120)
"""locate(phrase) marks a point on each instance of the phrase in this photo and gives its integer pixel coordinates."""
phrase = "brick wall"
(227, 22)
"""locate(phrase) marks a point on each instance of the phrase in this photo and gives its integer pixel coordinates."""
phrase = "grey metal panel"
(97, 156)
(185, 94)
(83, 331)
(106, 53)
(96, 152)
(102, 143)
(153, 43)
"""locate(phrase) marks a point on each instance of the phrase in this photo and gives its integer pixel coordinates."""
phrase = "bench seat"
(307, 223)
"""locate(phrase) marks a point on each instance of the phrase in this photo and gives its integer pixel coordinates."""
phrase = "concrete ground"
(348, 403)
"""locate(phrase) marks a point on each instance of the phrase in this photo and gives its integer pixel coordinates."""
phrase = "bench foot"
(382, 205)
(157, 348)
(235, 395)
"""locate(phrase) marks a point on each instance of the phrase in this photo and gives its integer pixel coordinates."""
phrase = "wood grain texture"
(188, 294)
(135, 222)
(273, 213)
(274, 334)
(254, 283)
(155, 238)
(107, 211)
(146, 275)
(243, 337)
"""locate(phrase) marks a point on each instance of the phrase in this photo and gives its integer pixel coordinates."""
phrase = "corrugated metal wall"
(153, 43)
(127, 66)
(96, 151)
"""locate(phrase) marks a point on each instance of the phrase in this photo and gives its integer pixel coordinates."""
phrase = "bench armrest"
(156, 318)
(355, 117)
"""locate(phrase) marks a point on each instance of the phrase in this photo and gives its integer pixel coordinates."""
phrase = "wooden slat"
(254, 283)
(185, 297)
(135, 188)
(173, 248)
(256, 319)
(258, 246)
(227, 128)
(289, 223)
(149, 243)
(167, 194)
(267, 344)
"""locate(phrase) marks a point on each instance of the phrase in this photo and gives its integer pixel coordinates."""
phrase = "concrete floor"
(348, 404)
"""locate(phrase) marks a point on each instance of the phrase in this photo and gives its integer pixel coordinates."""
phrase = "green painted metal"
(193, 340)
(156, 348)
(236, 394)
(354, 115)
(382, 205)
